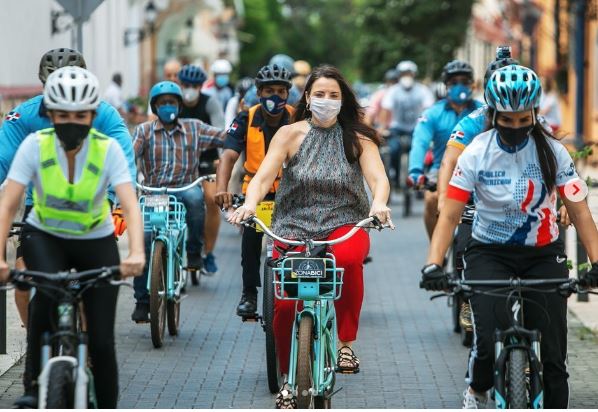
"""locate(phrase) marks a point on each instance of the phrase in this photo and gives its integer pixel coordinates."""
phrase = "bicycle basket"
(162, 211)
(308, 278)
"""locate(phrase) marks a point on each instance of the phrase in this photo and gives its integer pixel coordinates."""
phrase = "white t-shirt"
(406, 106)
(513, 205)
(114, 96)
(26, 165)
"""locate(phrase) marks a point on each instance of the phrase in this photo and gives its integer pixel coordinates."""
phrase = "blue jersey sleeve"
(468, 128)
(422, 137)
(18, 124)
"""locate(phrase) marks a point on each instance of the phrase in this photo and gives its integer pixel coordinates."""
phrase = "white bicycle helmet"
(72, 89)
(221, 66)
(406, 66)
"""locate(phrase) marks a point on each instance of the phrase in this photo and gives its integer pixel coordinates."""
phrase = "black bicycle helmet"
(456, 68)
(273, 74)
(57, 58)
(244, 84)
(497, 64)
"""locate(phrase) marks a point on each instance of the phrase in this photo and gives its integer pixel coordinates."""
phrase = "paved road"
(410, 358)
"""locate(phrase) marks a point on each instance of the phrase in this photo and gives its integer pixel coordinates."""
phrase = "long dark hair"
(546, 155)
(350, 117)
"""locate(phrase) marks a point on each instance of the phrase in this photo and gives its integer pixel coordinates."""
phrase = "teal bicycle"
(164, 217)
(311, 276)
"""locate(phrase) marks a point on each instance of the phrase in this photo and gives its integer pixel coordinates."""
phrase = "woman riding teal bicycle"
(70, 227)
(325, 155)
(515, 171)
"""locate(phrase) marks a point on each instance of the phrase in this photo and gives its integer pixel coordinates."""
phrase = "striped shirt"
(171, 158)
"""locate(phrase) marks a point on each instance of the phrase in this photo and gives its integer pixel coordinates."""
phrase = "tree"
(425, 31)
(260, 34)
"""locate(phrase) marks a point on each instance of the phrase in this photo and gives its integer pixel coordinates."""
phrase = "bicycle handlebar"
(291, 242)
(18, 276)
(209, 178)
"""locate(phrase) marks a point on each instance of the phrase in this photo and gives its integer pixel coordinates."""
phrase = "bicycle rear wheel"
(158, 293)
(517, 387)
(173, 308)
(268, 315)
(304, 362)
(61, 387)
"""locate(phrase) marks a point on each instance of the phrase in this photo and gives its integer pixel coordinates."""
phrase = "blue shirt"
(468, 128)
(435, 126)
(31, 116)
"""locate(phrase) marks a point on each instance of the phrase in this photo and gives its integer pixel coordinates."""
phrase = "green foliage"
(260, 34)
(425, 31)
(582, 154)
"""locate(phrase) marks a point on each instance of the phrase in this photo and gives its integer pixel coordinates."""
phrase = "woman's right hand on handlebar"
(4, 271)
(433, 278)
(132, 265)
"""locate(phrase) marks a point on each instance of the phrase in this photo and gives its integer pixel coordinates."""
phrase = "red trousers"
(350, 256)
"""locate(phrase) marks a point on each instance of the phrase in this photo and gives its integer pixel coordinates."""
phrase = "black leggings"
(47, 253)
(498, 262)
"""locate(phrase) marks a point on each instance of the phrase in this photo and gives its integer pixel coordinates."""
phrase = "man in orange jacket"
(252, 131)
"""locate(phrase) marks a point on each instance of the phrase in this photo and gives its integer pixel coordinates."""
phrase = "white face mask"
(190, 94)
(407, 81)
(324, 110)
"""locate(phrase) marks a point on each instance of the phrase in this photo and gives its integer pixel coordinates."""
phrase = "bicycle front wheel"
(517, 387)
(304, 362)
(158, 293)
(61, 387)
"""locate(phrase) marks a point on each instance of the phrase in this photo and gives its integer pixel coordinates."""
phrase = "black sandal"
(347, 357)
(285, 398)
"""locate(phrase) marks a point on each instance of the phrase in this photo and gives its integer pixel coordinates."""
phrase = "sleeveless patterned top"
(319, 190)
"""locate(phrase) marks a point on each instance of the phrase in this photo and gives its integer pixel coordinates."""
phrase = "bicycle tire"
(268, 315)
(466, 338)
(61, 386)
(455, 311)
(195, 277)
(157, 302)
(406, 202)
(517, 387)
(303, 376)
(173, 308)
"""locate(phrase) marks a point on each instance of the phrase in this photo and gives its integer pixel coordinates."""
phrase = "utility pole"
(80, 10)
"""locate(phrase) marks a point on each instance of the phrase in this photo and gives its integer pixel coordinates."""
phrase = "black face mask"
(513, 136)
(71, 135)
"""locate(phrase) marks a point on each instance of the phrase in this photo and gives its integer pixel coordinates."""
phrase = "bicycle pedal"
(346, 371)
(251, 319)
(141, 321)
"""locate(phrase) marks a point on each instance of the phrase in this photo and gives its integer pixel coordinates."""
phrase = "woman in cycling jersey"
(515, 170)
(326, 153)
(70, 227)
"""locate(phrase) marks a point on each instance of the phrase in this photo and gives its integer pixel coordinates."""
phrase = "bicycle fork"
(518, 336)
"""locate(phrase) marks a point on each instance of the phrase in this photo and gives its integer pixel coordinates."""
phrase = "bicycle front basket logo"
(309, 268)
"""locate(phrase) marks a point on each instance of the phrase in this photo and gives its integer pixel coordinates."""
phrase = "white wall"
(25, 30)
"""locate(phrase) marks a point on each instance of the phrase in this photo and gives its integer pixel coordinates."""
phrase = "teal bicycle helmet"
(513, 89)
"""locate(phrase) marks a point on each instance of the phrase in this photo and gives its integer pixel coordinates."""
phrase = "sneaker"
(26, 401)
(194, 262)
(248, 303)
(141, 313)
(473, 401)
(465, 317)
(209, 264)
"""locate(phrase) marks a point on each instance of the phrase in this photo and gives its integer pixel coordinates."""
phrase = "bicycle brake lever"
(439, 295)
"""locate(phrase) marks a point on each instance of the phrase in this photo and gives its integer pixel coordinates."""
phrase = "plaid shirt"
(171, 158)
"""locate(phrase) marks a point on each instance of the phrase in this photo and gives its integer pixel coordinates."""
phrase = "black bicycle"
(518, 380)
(65, 381)
(266, 319)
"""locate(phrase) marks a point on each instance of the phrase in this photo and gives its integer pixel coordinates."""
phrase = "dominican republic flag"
(12, 117)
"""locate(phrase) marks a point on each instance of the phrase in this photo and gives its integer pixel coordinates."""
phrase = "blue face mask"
(273, 104)
(168, 113)
(459, 93)
(221, 80)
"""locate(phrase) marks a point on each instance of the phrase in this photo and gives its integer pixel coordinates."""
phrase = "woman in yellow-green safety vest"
(70, 226)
